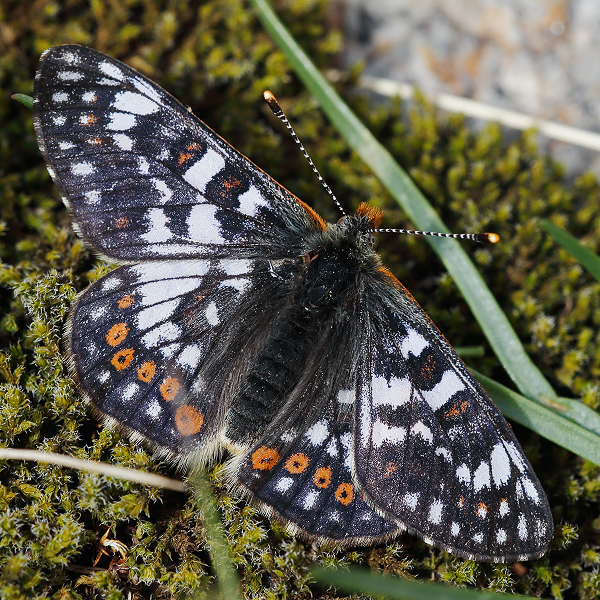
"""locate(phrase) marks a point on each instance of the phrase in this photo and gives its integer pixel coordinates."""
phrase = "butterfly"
(239, 320)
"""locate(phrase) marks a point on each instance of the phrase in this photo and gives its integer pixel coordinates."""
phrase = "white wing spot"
(60, 97)
(530, 489)
(394, 393)
(455, 529)
(414, 343)
(134, 103)
(190, 357)
(82, 169)
(111, 70)
(203, 226)
(522, 527)
(435, 512)
(443, 451)
(251, 201)
(149, 317)
(167, 332)
(59, 120)
(504, 508)
(121, 121)
(478, 537)
(516, 456)
(203, 170)
(310, 499)
(501, 536)
(346, 396)
(70, 75)
(410, 500)
(463, 474)
(123, 141)
(163, 189)
(444, 390)
(419, 428)
(284, 484)
(154, 409)
(481, 477)
(235, 267)
(318, 433)
(158, 231)
(66, 145)
(212, 314)
(89, 97)
(143, 165)
(500, 464)
(383, 433)
(130, 391)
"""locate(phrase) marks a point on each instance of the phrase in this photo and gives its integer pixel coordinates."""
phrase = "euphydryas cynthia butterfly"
(241, 320)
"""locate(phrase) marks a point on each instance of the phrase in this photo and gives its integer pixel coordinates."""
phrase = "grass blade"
(362, 581)
(492, 320)
(559, 425)
(584, 256)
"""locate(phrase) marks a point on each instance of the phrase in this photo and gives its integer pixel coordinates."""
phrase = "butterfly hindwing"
(139, 336)
(144, 178)
(431, 449)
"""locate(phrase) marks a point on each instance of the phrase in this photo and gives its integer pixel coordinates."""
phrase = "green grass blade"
(561, 424)
(227, 578)
(503, 339)
(584, 256)
(361, 581)
(23, 99)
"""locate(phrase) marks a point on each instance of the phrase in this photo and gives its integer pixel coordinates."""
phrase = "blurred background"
(539, 57)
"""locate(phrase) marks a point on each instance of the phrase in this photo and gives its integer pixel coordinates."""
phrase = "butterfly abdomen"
(273, 376)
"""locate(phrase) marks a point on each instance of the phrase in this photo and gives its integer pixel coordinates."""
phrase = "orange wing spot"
(428, 369)
(121, 222)
(147, 371)
(188, 420)
(126, 301)
(183, 156)
(229, 185)
(482, 510)
(116, 334)
(169, 388)
(122, 359)
(457, 409)
(461, 502)
(264, 458)
(391, 468)
(90, 121)
(375, 214)
(194, 146)
(297, 463)
(344, 493)
(95, 141)
(322, 477)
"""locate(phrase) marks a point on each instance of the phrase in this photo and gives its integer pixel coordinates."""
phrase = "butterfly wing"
(152, 344)
(144, 178)
(432, 451)
(300, 469)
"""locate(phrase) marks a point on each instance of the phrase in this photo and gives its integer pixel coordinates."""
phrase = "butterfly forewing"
(248, 324)
(432, 450)
(144, 178)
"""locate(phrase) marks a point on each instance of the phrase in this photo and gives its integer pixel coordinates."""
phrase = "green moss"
(216, 58)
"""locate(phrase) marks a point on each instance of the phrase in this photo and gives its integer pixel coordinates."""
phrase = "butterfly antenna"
(488, 238)
(274, 106)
